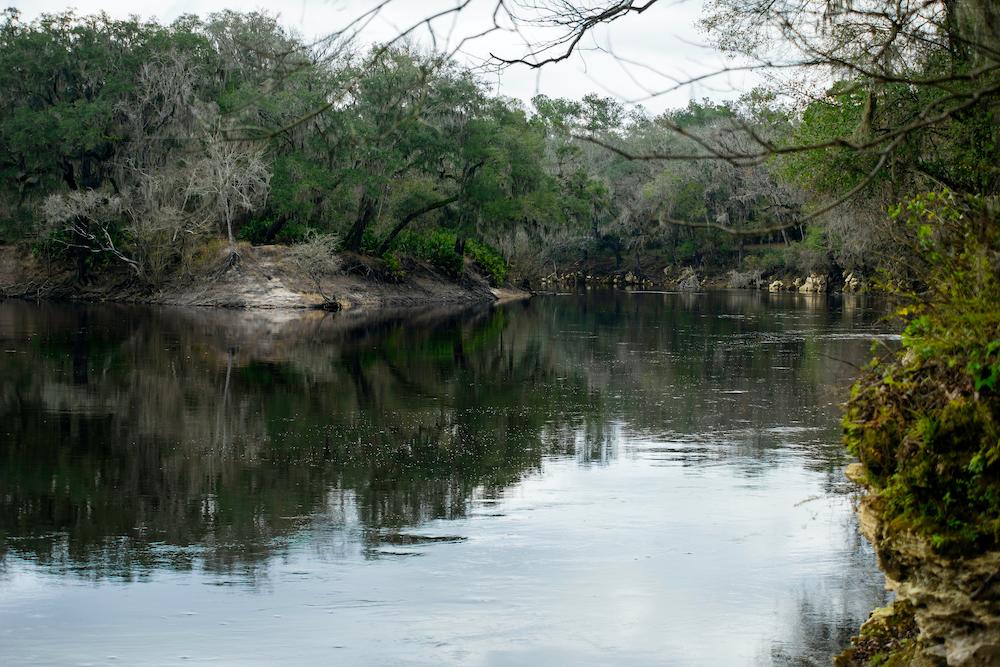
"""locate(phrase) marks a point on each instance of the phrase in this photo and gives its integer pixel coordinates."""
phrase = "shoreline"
(265, 278)
(947, 609)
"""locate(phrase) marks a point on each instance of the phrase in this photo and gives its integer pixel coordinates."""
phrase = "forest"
(132, 144)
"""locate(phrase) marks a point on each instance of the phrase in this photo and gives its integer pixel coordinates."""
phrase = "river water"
(597, 478)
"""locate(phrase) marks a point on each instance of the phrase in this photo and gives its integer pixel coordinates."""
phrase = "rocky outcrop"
(750, 279)
(955, 600)
(852, 282)
(814, 284)
(776, 286)
(689, 281)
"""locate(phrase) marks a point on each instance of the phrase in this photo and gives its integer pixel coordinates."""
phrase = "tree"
(232, 178)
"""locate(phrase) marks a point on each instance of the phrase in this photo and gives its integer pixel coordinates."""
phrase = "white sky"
(664, 38)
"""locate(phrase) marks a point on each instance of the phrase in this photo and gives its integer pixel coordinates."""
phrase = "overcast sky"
(664, 39)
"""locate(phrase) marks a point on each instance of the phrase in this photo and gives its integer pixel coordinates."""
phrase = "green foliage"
(300, 187)
(95, 104)
(65, 80)
(767, 260)
(437, 248)
(686, 251)
(394, 266)
(700, 114)
(256, 230)
(489, 260)
(926, 424)
(835, 169)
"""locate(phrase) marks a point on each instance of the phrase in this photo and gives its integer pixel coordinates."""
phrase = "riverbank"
(947, 608)
(690, 278)
(263, 277)
(924, 422)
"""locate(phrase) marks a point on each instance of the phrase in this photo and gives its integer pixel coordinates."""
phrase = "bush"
(438, 248)
(926, 424)
(811, 253)
(394, 267)
(316, 258)
(767, 260)
(489, 260)
(686, 251)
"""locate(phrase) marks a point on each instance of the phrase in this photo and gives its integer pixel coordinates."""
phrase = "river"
(593, 478)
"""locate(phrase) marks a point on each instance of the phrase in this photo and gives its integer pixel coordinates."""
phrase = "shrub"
(316, 258)
(811, 253)
(438, 248)
(489, 260)
(686, 251)
(767, 260)
(394, 267)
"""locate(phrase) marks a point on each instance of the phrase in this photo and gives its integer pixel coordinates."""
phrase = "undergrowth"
(926, 422)
(440, 250)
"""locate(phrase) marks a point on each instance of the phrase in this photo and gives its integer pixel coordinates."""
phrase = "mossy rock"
(887, 639)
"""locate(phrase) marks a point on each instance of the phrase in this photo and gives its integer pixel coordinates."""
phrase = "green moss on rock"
(926, 423)
(887, 639)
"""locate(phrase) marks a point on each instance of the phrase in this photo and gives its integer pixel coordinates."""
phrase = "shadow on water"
(136, 440)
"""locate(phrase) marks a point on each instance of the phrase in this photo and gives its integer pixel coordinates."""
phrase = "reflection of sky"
(664, 38)
(643, 561)
(708, 524)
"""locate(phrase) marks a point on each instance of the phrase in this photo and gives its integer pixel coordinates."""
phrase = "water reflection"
(139, 442)
(130, 430)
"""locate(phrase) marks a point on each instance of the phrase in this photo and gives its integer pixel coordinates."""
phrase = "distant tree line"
(133, 144)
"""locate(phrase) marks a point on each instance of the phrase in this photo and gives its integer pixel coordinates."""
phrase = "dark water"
(591, 479)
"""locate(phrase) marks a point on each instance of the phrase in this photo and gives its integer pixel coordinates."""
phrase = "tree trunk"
(366, 213)
(68, 175)
(410, 217)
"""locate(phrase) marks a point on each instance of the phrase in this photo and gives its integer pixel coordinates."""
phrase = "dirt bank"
(264, 277)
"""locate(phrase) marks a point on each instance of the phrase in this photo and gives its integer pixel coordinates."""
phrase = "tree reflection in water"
(139, 439)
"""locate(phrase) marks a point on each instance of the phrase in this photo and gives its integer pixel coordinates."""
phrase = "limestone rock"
(689, 280)
(750, 279)
(776, 286)
(814, 284)
(955, 600)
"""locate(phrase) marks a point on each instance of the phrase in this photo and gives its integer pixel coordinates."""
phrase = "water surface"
(599, 478)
